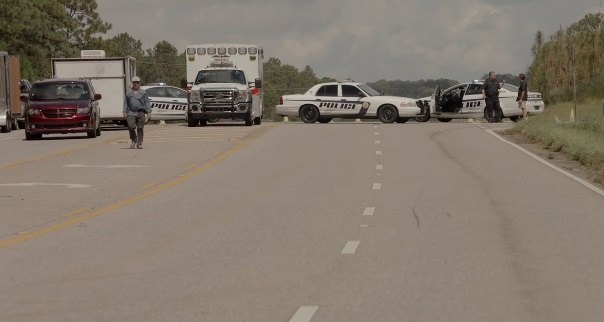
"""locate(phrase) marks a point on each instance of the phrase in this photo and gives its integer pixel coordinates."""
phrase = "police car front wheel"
(388, 114)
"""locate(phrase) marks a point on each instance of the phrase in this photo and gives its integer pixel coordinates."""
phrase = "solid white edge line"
(369, 211)
(377, 186)
(304, 314)
(351, 247)
(568, 174)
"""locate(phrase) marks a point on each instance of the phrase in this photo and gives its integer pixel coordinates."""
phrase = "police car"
(466, 101)
(350, 100)
(167, 102)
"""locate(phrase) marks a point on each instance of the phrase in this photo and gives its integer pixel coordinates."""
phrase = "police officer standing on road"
(522, 96)
(490, 93)
(137, 109)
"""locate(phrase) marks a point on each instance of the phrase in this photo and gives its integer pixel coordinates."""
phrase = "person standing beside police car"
(137, 110)
(522, 96)
(490, 93)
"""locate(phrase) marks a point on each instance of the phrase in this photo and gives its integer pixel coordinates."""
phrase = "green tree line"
(576, 52)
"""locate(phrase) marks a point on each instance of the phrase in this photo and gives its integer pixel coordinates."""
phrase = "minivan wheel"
(91, 134)
(31, 136)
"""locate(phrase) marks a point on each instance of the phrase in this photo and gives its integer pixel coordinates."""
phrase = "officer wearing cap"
(137, 109)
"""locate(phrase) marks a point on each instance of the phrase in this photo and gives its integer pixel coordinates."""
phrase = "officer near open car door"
(137, 110)
(490, 93)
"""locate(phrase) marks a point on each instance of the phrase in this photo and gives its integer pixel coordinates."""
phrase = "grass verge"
(582, 140)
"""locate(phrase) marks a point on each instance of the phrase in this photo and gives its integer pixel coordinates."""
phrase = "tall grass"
(582, 140)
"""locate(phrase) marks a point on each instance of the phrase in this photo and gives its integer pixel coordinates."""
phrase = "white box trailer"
(111, 77)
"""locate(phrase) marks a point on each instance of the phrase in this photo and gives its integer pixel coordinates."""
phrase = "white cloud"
(363, 40)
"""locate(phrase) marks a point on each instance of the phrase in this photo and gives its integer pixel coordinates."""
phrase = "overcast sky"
(363, 40)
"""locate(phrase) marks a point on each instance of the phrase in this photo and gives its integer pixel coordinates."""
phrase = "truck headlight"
(243, 96)
(408, 104)
(83, 110)
(195, 96)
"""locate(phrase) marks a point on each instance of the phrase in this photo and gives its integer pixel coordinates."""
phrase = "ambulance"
(225, 82)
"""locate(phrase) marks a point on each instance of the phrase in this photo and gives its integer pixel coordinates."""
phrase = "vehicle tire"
(515, 118)
(91, 134)
(402, 120)
(249, 120)
(387, 114)
(191, 122)
(309, 114)
(21, 125)
(324, 119)
(14, 125)
(29, 136)
(203, 122)
(98, 130)
(257, 121)
(423, 118)
(445, 119)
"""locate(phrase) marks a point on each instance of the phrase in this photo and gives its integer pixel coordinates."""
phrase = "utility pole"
(574, 82)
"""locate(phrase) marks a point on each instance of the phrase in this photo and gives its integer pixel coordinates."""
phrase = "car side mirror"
(97, 97)
(24, 98)
(258, 83)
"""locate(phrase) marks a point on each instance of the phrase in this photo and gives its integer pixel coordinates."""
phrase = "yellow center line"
(76, 212)
(187, 175)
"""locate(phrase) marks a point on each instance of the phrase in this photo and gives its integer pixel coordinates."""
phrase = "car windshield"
(54, 91)
(166, 92)
(220, 76)
(370, 91)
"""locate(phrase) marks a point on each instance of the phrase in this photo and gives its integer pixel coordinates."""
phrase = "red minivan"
(62, 106)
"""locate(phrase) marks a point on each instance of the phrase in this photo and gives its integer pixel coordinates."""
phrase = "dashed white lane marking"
(378, 142)
(379, 167)
(8, 138)
(369, 211)
(351, 247)
(34, 184)
(378, 152)
(377, 186)
(376, 133)
(570, 175)
(304, 314)
(364, 226)
(115, 166)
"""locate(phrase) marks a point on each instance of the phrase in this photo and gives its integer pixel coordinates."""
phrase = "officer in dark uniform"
(490, 93)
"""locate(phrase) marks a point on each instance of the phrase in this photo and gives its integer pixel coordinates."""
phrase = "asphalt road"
(295, 222)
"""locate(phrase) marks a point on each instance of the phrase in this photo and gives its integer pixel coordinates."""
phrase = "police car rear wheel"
(191, 122)
(387, 114)
(309, 114)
